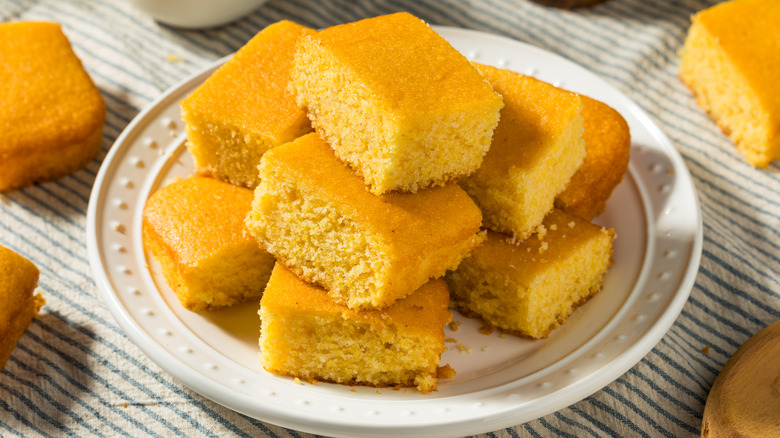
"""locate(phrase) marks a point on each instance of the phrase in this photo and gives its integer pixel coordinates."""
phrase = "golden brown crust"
(52, 114)
(195, 228)
(607, 144)
(562, 318)
(18, 304)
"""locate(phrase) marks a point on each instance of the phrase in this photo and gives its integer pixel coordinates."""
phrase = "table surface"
(75, 372)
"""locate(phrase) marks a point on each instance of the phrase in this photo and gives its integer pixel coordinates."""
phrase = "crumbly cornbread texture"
(51, 113)
(315, 215)
(608, 144)
(531, 287)
(18, 302)
(305, 334)
(245, 107)
(536, 149)
(731, 63)
(396, 101)
(195, 228)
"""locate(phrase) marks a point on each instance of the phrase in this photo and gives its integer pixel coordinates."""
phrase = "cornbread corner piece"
(536, 149)
(245, 107)
(316, 216)
(396, 101)
(531, 287)
(305, 334)
(19, 303)
(51, 113)
(195, 229)
(608, 144)
(731, 63)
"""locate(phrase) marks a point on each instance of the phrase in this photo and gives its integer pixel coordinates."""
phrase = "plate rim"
(497, 419)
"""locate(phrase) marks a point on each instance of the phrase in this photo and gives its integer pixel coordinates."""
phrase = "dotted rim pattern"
(153, 144)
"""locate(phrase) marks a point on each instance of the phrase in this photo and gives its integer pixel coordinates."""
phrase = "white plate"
(502, 381)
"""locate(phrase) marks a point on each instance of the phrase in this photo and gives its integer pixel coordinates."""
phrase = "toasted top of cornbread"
(748, 32)
(608, 144)
(199, 215)
(433, 217)
(561, 233)
(261, 69)
(405, 65)
(18, 279)
(423, 311)
(534, 111)
(47, 99)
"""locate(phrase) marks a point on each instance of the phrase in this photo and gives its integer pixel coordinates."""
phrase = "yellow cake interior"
(314, 214)
(536, 148)
(403, 122)
(245, 107)
(195, 229)
(607, 143)
(19, 303)
(305, 334)
(731, 63)
(51, 113)
(529, 288)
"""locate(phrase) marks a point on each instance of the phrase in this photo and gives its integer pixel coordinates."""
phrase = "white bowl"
(197, 14)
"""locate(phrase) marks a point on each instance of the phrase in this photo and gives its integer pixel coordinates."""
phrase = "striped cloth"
(74, 373)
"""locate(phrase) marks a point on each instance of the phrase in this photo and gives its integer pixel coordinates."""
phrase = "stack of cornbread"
(366, 214)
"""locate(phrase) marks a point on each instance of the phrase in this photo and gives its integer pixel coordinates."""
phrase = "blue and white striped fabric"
(74, 373)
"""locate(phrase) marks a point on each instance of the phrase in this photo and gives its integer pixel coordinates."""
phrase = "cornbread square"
(51, 113)
(19, 303)
(195, 229)
(305, 334)
(536, 149)
(396, 101)
(531, 287)
(245, 108)
(608, 145)
(315, 215)
(731, 63)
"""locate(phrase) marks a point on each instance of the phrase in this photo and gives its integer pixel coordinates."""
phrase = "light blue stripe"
(20, 418)
(639, 412)
(531, 431)
(679, 368)
(116, 69)
(511, 432)
(107, 27)
(720, 282)
(99, 379)
(214, 46)
(717, 317)
(80, 386)
(686, 318)
(693, 352)
(550, 427)
(45, 237)
(114, 369)
(43, 284)
(576, 424)
(729, 230)
(617, 415)
(157, 376)
(669, 379)
(38, 411)
(594, 421)
(3, 425)
(643, 395)
(659, 94)
(312, 19)
(54, 403)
